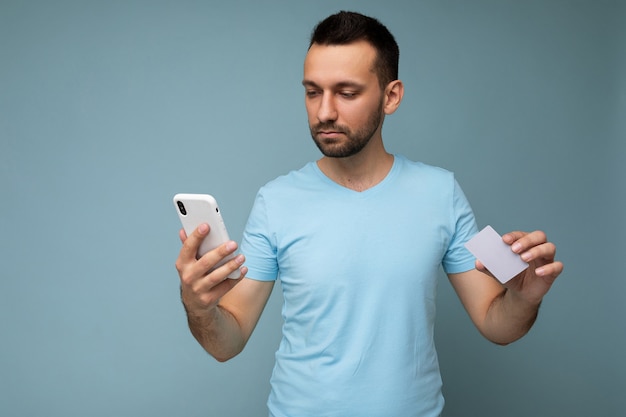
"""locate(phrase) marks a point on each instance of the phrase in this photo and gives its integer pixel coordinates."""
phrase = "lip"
(329, 133)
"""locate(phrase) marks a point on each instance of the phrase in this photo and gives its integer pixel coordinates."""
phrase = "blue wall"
(109, 108)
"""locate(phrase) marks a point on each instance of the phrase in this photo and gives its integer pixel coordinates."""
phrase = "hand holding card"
(496, 255)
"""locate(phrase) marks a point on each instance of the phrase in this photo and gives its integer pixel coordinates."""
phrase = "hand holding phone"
(195, 209)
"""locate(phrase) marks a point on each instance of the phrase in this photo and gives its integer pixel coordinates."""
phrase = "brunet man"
(357, 239)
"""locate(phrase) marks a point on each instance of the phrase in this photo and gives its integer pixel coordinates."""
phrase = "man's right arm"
(221, 312)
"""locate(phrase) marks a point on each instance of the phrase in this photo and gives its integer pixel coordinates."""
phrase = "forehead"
(332, 64)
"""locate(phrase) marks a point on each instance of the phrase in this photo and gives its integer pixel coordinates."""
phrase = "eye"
(312, 93)
(348, 94)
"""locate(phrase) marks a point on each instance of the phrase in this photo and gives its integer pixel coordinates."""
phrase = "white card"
(496, 255)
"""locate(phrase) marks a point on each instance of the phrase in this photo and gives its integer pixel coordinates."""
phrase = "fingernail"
(203, 228)
(239, 259)
(540, 271)
(525, 256)
(516, 247)
(231, 245)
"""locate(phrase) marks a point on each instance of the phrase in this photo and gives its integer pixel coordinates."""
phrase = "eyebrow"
(342, 84)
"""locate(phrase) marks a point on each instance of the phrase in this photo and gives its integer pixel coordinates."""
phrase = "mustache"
(329, 126)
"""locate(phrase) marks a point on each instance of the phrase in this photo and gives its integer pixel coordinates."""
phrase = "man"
(357, 239)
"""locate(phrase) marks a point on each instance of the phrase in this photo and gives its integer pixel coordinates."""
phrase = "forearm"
(217, 331)
(509, 317)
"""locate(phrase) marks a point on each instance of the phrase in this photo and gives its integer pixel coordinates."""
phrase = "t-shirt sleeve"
(458, 258)
(258, 244)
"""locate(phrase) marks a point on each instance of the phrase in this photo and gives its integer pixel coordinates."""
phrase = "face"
(343, 98)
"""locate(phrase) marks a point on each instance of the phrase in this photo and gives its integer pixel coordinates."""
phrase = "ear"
(393, 96)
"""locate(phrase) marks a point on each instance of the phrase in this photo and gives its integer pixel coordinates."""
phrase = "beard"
(356, 141)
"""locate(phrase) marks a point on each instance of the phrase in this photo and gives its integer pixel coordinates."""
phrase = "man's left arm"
(505, 313)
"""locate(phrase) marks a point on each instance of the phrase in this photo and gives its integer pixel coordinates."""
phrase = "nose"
(327, 112)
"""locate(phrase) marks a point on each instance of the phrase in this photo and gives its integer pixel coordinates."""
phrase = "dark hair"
(347, 27)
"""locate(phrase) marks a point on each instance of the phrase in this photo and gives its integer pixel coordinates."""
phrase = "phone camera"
(181, 207)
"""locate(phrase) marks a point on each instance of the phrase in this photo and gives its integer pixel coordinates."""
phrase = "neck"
(358, 172)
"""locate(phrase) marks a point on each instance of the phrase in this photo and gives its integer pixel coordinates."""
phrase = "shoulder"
(293, 179)
(424, 173)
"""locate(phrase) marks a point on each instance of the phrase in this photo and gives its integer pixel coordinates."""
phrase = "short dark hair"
(347, 27)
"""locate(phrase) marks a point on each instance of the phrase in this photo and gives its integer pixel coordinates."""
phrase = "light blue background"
(109, 108)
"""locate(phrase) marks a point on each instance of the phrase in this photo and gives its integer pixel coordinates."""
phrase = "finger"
(182, 235)
(212, 297)
(219, 274)
(511, 237)
(550, 271)
(521, 241)
(202, 296)
(544, 252)
(192, 243)
(215, 282)
(213, 257)
(211, 287)
(199, 273)
(482, 268)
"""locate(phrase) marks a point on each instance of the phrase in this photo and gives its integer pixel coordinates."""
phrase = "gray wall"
(109, 108)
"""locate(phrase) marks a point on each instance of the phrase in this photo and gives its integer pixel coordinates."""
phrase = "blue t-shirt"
(359, 275)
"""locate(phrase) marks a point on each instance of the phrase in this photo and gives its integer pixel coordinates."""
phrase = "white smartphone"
(195, 209)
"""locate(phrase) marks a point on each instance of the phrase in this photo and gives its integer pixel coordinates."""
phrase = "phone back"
(195, 209)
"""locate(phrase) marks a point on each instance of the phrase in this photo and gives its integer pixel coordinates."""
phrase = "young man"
(357, 239)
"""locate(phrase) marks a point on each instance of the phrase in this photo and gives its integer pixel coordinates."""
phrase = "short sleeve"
(458, 258)
(258, 244)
